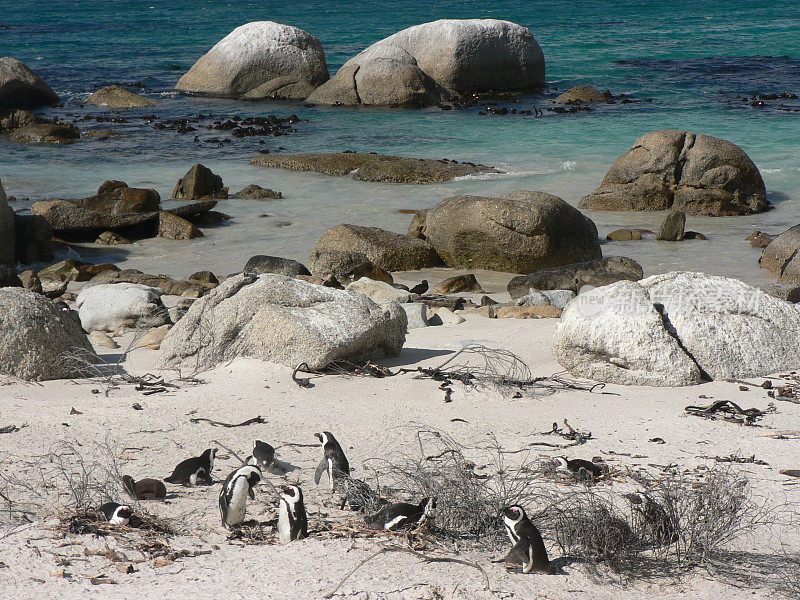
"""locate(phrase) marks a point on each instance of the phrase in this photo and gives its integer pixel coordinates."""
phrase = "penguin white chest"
(330, 473)
(512, 535)
(237, 506)
(284, 523)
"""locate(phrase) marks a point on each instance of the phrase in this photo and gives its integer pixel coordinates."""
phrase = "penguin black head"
(514, 513)
(324, 437)
(292, 492)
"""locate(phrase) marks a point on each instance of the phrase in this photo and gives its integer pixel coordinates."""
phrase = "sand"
(372, 418)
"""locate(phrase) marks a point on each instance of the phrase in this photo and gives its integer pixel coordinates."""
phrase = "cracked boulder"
(782, 256)
(284, 320)
(259, 60)
(432, 62)
(694, 173)
(517, 232)
(677, 329)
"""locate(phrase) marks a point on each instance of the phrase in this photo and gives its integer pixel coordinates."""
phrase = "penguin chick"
(116, 514)
(577, 465)
(233, 495)
(263, 455)
(334, 461)
(526, 541)
(292, 519)
(192, 470)
(144, 489)
(402, 514)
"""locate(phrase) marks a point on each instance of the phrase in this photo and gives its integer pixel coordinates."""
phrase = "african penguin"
(144, 489)
(233, 495)
(292, 519)
(394, 516)
(526, 541)
(116, 514)
(263, 455)
(334, 462)
(577, 465)
(192, 470)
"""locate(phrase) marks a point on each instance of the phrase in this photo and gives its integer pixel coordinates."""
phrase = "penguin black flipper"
(321, 469)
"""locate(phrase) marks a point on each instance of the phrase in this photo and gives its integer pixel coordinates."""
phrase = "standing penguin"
(394, 516)
(116, 514)
(334, 461)
(526, 541)
(192, 470)
(263, 455)
(292, 519)
(234, 492)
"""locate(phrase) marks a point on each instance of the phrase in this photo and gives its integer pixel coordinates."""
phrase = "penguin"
(577, 465)
(420, 288)
(116, 514)
(144, 489)
(402, 514)
(263, 455)
(233, 495)
(334, 461)
(526, 541)
(292, 519)
(192, 470)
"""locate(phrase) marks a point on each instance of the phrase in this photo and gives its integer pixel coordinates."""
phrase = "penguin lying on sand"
(116, 514)
(193, 470)
(527, 544)
(233, 495)
(292, 518)
(334, 462)
(402, 514)
(578, 467)
(144, 489)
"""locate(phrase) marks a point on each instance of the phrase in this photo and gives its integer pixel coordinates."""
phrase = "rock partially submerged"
(284, 320)
(107, 307)
(199, 183)
(39, 340)
(677, 329)
(259, 60)
(374, 167)
(432, 62)
(782, 256)
(20, 87)
(694, 173)
(58, 134)
(581, 94)
(256, 192)
(517, 232)
(573, 277)
(116, 96)
(353, 244)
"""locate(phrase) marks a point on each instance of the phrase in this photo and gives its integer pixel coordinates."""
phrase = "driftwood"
(221, 424)
(425, 557)
(730, 411)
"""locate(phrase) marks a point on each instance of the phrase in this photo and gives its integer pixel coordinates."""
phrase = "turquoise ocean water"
(694, 59)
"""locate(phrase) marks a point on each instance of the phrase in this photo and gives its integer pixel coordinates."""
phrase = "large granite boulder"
(39, 340)
(33, 239)
(677, 329)
(694, 173)
(259, 60)
(573, 277)
(284, 320)
(353, 243)
(116, 96)
(107, 307)
(116, 198)
(22, 88)
(782, 256)
(429, 63)
(7, 229)
(518, 232)
(374, 167)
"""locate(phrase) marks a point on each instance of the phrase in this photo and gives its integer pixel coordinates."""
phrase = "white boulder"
(379, 291)
(284, 320)
(107, 307)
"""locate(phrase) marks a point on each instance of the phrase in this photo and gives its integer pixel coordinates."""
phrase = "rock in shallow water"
(284, 320)
(782, 256)
(672, 229)
(38, 340)
(7, 231)
(20, 87)
(694, 173)
(573, 277)
(116, 96)
(677, 329)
